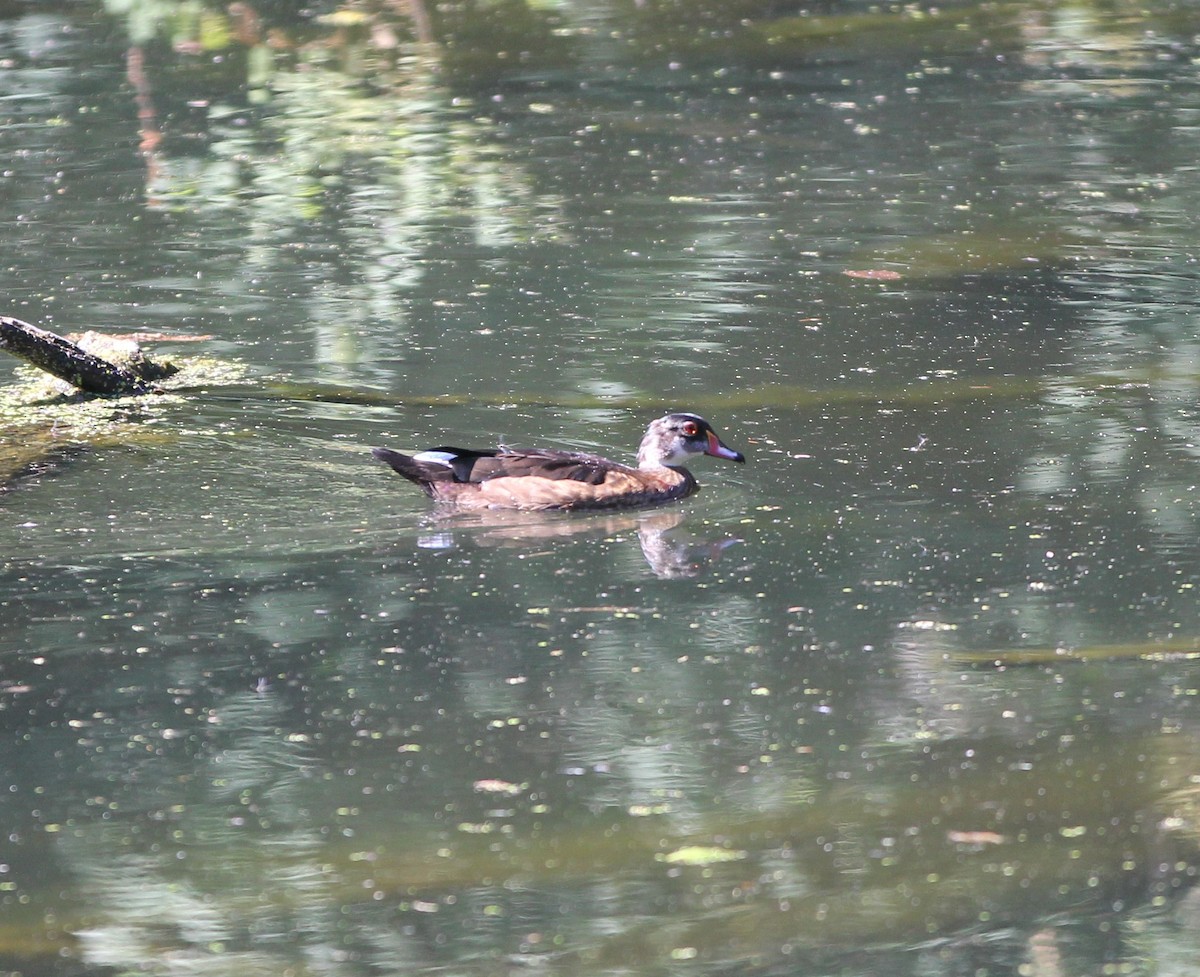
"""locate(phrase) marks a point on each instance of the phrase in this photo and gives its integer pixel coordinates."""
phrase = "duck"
(544, 479)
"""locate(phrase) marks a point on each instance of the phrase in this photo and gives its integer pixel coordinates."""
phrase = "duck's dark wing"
(468, 466)
(554, 465)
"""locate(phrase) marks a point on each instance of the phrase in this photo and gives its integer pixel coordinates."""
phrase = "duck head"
(671, 439)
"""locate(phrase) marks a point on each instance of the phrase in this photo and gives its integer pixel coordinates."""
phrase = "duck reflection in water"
(670, 554)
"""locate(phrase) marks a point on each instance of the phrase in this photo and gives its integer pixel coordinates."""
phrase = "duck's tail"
(434, 466)
(422, 473)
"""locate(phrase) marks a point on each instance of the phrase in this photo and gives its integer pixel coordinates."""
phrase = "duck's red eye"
(690, 429)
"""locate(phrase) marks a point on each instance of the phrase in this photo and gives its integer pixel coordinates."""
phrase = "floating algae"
(45, 420)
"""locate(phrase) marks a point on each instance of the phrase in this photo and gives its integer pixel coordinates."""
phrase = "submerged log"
(69, 361)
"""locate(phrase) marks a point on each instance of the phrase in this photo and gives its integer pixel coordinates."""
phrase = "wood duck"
(510, 478)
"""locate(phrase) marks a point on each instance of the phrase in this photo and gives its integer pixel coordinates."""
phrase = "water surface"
(911, 692)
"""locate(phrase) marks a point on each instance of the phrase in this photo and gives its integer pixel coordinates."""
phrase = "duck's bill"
(718, 450)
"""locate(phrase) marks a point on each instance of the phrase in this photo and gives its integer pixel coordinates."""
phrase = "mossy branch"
(66, 360)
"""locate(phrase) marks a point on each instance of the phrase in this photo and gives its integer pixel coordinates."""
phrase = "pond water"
(914, 691)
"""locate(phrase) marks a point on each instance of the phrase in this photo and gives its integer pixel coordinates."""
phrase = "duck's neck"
(650, 455)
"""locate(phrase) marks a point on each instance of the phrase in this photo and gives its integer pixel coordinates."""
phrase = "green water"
(911, 692)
